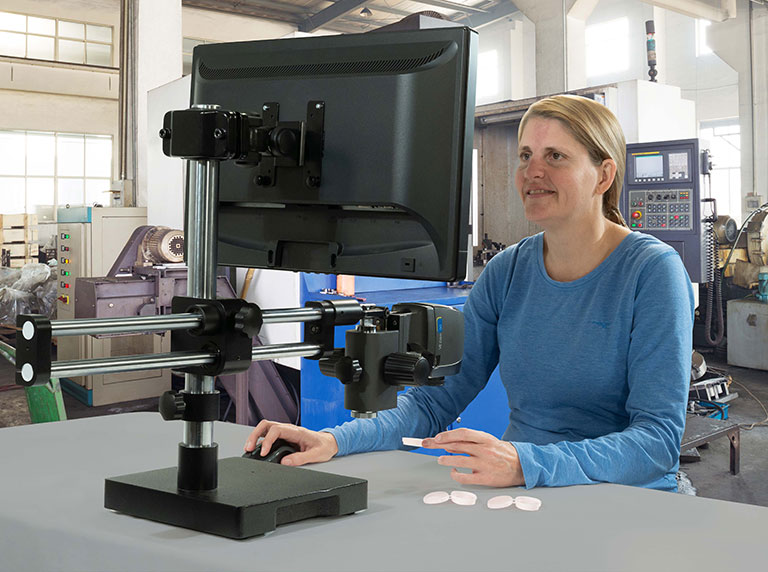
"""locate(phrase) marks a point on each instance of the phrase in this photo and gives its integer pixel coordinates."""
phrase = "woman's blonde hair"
(595, 127)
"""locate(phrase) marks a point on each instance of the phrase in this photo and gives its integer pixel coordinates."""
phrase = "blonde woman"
(589, 323)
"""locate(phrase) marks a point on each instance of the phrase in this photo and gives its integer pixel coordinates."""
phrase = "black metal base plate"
(253, 497)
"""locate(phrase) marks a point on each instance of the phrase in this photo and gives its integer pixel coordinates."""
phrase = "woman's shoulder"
(646, 253)
(643, 248)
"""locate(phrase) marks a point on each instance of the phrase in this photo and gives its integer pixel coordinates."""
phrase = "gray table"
(51, 516)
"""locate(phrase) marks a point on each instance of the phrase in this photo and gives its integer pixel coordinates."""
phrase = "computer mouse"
(280, 448)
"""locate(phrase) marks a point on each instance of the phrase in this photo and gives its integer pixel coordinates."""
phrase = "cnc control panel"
(661, 209)
(662, 197)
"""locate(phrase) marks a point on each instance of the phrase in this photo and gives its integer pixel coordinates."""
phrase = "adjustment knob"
(409, 368)
(249, 320)
(343, 368)
(172, 405)
(284, 142)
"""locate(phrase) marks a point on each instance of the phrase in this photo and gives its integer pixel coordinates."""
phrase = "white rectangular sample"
(412, 441)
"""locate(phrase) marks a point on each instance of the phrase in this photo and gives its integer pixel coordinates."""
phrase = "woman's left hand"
(493, 463)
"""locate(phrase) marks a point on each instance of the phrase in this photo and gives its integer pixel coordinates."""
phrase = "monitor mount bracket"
(261, 141)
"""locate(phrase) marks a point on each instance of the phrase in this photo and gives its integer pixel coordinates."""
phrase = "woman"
(589, 323)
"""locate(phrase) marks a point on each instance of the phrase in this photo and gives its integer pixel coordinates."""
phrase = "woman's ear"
(606, 172)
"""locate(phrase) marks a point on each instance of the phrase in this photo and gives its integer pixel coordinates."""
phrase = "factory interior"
(221, 213)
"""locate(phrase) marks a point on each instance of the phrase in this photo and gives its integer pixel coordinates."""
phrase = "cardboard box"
(18, 220)
(22, 249)
(18, 235)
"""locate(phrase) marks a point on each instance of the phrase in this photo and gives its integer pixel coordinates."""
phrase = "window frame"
(30, 208)
(57, 37)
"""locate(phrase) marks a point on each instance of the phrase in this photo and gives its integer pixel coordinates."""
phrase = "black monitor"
(387, 190)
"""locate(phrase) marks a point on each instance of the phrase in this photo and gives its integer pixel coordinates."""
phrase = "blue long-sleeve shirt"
(596, 370)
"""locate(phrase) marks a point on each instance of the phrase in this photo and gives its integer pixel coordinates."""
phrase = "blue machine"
(662, 197)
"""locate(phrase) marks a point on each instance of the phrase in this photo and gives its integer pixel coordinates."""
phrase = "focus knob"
(344, 368)
(409, 368)
(172, 405)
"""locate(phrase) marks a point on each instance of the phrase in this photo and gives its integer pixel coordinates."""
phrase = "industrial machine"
(299, 186)
(89, 239)
(141, 281)
(745, 255)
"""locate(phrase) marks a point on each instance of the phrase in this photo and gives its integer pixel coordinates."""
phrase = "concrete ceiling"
(354, 16)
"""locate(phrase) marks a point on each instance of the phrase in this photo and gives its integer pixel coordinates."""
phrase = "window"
(607, 47)
(723, 138)
(487, 74)
(54, 39)
(702, 48)
(44, 170)
(187, 46)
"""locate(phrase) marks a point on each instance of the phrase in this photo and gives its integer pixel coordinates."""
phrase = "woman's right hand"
(313, 446)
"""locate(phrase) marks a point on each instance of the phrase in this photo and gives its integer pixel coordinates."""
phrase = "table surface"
(52, 516)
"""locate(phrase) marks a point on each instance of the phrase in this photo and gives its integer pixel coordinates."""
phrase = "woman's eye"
(556, 155)
(525, 156)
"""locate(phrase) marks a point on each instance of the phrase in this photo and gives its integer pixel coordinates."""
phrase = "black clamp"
(335, 313)
(197, 407)
(33, 350)
(227, 329)
(207, 134)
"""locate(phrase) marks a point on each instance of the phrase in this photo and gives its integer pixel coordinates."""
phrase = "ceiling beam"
(450, 5)
(502, 10)
(329, 14)
(255, 8)
(387, 10)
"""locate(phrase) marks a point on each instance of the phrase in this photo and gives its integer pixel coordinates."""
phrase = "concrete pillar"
(737, 55)
(157, 62)
(760, 97)
(560, 63)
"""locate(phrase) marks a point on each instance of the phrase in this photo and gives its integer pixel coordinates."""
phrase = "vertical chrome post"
(200, 239)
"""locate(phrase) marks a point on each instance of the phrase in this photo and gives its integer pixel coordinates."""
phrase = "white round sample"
(464, 498)
(28, 330)
(436, 497)
(527, 503)
(502, 501)
(27, 372)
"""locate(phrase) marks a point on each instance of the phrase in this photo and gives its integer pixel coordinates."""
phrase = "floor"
(710, 476)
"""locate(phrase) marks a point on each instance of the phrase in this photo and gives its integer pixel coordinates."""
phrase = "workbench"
(52, 516)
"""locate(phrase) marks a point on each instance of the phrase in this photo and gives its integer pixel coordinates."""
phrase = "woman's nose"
(534, 168)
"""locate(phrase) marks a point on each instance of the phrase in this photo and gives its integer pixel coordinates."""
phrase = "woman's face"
(556, 179)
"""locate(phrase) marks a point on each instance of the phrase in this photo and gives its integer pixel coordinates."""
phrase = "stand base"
(253, 497)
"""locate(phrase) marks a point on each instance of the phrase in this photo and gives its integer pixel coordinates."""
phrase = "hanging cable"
(714, 277)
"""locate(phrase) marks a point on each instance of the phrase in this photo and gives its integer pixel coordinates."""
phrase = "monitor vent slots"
(330, 68)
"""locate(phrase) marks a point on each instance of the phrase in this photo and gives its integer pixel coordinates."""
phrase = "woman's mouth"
(539, 192)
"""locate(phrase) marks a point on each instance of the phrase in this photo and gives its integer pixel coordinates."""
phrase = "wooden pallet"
(18, 235)
(21, 249)
(18, 220)
(20, 262)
